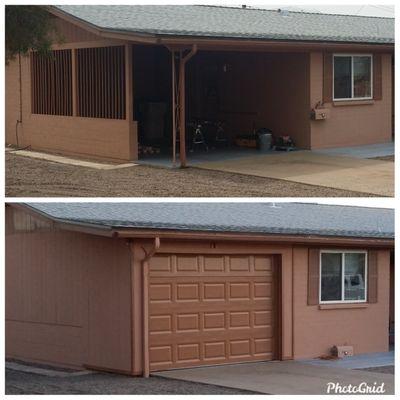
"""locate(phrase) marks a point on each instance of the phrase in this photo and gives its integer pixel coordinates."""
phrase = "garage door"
(211, 309)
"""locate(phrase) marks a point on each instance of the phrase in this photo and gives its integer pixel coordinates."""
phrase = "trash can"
(265, 141)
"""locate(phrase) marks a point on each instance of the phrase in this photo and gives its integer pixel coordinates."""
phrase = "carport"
(199, 101)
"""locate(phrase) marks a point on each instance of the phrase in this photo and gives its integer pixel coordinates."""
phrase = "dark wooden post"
(182, 122)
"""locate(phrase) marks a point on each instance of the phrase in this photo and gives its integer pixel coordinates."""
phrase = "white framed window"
(343, 276)
(352, 77)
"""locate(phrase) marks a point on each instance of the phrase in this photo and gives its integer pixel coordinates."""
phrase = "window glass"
(354, 276)
(362, 76)
(331, 276)
(342, 83)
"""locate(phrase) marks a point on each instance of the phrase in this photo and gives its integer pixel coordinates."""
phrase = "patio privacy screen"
(52, 83)
(101, 82)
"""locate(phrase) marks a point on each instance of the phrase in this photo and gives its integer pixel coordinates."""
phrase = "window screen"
(101, 82)
(51, 83)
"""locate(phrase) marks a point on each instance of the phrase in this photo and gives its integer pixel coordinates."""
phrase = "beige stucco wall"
(315, 331)
(94, 137)
(67, 296)
(354, 123)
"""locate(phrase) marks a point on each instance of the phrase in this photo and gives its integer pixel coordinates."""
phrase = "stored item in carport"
(284, 143)
(264, 139)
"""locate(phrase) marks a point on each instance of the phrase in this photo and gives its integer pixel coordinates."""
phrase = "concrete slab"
(368, 360)
(44, 371)
(366, 151)
(71, 161)
(373, 177)
(201, 156)
(281, 377)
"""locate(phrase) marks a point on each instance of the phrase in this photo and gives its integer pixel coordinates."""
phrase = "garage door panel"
(188, 322)
(162, 264)
(210, 309)
(199, 336)
(196, 306)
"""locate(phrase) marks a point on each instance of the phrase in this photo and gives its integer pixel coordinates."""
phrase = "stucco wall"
(67, 296)
(351, 123)
(316, 330)
(95, 137)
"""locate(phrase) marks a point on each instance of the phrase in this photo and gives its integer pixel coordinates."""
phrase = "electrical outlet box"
(319, 114)
(343, 351)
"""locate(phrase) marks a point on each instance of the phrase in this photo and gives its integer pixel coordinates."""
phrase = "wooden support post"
(182, 98)
(182, 116)
(74, 83)
(132, 131)
(173, 70)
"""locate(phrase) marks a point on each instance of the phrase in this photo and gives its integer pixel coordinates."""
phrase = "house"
(140, 287)
(134, 76)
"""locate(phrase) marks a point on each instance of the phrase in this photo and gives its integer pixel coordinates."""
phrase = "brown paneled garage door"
(211, 309)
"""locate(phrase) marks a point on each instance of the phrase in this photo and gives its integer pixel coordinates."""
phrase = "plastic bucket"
(265, 141)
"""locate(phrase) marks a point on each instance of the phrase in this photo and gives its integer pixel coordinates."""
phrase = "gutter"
(255, 237)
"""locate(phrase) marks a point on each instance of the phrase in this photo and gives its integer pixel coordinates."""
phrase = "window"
(343, 276)
(51, 77)
(352, 77)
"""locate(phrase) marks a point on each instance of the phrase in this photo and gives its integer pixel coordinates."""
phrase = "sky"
(375, 10)
(370, 10)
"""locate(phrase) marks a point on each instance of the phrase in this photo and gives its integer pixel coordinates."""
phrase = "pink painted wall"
(102, 138)
(315, 331)
(69, 298)
(354, 123)
(67, 295)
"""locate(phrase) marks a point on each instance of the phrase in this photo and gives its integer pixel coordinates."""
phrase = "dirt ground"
(27, 177)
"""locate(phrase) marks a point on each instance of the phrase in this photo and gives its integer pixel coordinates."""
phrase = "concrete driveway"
(373, 177)
(281, 377)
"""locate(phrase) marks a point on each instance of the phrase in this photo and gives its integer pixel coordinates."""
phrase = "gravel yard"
(27, 177)
(103, 383)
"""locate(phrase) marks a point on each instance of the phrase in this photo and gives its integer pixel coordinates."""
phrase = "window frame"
(352, 55)
(343, 252)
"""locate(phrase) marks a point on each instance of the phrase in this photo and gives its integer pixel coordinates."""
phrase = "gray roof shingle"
(266, 218)
(229, 22)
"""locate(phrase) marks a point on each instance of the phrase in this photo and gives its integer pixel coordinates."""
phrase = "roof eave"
(137, 37)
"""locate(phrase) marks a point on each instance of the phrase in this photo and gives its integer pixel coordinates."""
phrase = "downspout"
(182, 122)
(145, 303)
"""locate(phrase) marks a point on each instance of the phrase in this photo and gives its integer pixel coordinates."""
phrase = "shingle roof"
(229, 22)
(271, 218)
